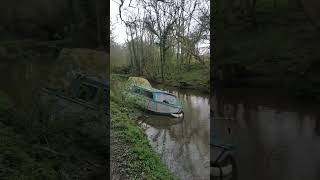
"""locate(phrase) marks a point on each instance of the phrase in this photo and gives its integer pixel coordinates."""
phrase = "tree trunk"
(134, 52)
(177, 55)
(141, 51)
(138, 58)
(11, 15)
(162, 60)
(98, 21)
(253, 12)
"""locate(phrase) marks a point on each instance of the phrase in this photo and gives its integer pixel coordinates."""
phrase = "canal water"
(276, 137)
(183, 145)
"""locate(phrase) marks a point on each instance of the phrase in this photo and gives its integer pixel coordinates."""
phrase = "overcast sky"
(119, 27)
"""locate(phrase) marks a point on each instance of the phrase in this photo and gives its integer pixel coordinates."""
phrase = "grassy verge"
(132, 156)
(34, 147)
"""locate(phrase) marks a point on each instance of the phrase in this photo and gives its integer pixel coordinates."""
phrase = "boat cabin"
(90, 90)
(155, 95)
(153, 100)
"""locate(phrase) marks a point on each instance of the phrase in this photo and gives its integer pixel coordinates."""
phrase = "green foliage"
(20, 160)
(194, 74)
(118, 56)
(34, 146)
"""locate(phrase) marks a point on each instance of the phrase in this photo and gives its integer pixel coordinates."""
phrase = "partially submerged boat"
(223, 164)
(153, 100)
(84, 93)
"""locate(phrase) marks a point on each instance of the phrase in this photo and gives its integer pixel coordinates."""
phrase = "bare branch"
(120, 6)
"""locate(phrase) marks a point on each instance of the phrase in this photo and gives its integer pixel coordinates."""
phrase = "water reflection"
(276, 137)
(183, 145)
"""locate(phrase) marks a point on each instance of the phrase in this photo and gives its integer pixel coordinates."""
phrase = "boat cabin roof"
(153, 90)
(90, 89)
(96, 81)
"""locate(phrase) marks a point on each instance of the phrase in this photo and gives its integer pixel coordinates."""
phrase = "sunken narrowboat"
(84, 93)
(154, 100)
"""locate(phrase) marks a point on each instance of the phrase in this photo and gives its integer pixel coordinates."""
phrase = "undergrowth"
(34, 145)
(193, 76)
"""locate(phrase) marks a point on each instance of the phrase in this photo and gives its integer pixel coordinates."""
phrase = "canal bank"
(194, 78)
(131, 155)
(34, 147)
(181, 146)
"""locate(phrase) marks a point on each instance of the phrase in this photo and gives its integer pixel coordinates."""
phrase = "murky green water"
(183, 144)
(276, 137)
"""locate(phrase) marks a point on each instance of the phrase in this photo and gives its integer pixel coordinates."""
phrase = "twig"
(95, 165)
(52, 151)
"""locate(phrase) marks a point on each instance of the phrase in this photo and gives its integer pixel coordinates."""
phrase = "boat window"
(87, 92)
(166, 98)
(147, 94)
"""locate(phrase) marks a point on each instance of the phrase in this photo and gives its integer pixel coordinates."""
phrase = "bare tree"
(168, 28)
(164, 16)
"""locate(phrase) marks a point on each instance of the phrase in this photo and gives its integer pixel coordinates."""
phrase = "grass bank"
(131, 155)
(35, 146)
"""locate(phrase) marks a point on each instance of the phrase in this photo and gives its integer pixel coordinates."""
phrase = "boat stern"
(179, 114)
(223, 161)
